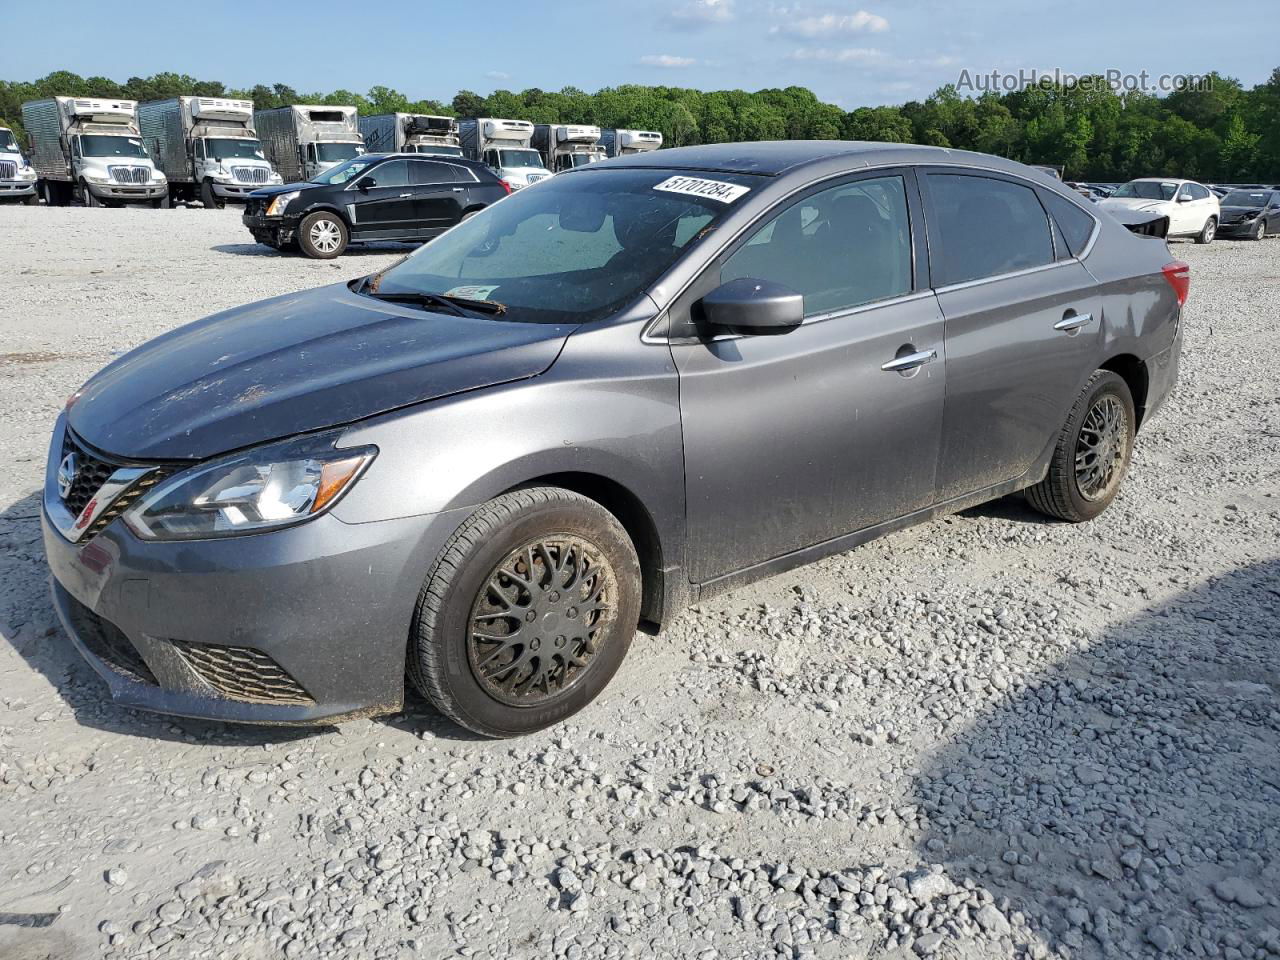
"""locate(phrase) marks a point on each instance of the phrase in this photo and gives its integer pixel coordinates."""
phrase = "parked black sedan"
(380, 196)
(1250, 213)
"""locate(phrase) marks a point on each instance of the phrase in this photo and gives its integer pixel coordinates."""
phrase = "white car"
(1191, 207)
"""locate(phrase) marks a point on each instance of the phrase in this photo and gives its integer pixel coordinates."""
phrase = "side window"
(75, 147)
(423, 172)
(985, 227)
(1075, 226)
(840, 248)
(1198, 192)
(199, 149)
(1185, 192)
(393, 173)
(491, 158)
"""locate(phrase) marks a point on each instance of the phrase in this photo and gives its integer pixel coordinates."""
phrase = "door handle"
(457, 189)
(405, 196)
(909, 362)
(1073, 322)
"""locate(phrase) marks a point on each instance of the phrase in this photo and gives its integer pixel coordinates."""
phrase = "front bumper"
(235, 191)
(275, 231)
(17, 188)
(1241, 228)
(141, 191)
(303, 625)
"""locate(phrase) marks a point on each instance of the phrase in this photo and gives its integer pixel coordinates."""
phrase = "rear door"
(380, 201)
(1023, 322)
(439, 193)
(798, 438)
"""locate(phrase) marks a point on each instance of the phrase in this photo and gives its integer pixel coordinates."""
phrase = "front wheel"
(31, 201)
(1093, 452)
(527, 613)
(1260, 231)
(322, 235)
(90, 200)
(207, 196)
(1208, 231)
(160, 203)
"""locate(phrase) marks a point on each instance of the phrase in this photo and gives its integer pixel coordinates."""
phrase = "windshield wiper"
(458, 306)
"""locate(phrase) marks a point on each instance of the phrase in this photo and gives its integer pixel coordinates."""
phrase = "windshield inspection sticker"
(472, 292)
(697, 187)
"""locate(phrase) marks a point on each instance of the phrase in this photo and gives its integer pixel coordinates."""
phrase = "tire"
(1208, 231)
(207, 197)
(322, 235)
(1260, 231)
(455, 671)
(31, 201)
(1061, 493)
(161, 203)
(89, 199)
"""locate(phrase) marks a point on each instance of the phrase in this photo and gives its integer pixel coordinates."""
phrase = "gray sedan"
(615, 392)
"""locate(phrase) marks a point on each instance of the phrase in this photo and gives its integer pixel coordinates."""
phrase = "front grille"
(242, 673)
(92, 471)
(8, 170)
(250, 174)
(130, 174)
(107, 642)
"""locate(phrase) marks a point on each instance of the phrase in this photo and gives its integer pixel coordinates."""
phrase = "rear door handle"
(457, 189)
(1073, 322)
(909, 362)
(405, 196)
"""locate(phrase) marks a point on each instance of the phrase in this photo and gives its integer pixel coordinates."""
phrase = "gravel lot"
(990, 736)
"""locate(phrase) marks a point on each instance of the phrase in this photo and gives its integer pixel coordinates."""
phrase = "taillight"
(505, 186)
(1178, 274)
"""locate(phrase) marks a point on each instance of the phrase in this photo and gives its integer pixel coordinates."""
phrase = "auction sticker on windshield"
(697, 187)
(472, 292)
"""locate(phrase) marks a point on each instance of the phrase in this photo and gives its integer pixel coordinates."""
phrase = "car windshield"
(234, 149)
(520, 158)
(574, 249)
(440, 151)
(329, 152)
(1246, 198)
(1147, 190)
(343, 172)
(98, 145)
(7, 143)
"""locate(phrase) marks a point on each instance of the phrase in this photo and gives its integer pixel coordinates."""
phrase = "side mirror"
(753, 306)
(1183, 198)
(368, 183)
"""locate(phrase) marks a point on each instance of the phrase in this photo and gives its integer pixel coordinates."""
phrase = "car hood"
(296, 363)
(1134, 203)
(286, 188)
(1233, 208)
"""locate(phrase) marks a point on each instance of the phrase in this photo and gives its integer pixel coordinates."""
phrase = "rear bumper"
(1162, 375)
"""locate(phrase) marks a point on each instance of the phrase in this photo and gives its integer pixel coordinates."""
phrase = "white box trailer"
(90, 148)
(622, 143)
(411, 133)
(504, 145)
(567, 145)
(17, 176)
(207, 147)
(304, 140)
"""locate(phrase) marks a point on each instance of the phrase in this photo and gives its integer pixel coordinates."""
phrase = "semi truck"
(504, 145)
(304, 140)
(411, 133)
(623, 143)
(90, 148)
(564, 146)
(17, 176)
(206, 147)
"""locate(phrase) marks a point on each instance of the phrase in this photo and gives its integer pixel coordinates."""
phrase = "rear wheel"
(322, 235)
(1092, 456)
(1208, 231)
(527, 613)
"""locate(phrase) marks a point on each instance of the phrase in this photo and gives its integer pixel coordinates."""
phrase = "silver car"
(618, 391)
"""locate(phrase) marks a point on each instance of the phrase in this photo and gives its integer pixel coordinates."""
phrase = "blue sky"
(856, 53)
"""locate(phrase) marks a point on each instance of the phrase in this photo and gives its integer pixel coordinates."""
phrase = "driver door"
(381, 201)
(799, 438)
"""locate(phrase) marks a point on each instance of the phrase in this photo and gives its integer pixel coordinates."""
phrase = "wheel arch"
(325, 206)
(636, 519)
(1135, 375)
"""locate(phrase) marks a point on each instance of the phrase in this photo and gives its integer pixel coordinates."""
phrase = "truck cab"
(225, 151)
(17, 176)
(505, 146)
(321, 155)
(565, 146)
(625, 143)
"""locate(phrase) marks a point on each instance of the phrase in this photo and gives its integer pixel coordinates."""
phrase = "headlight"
(262, 489)
(280, 201)
(27, 174)
(96, 178)
(276, 178)
(157, 176)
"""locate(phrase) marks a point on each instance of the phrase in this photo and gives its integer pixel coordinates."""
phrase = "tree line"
(1220, 131)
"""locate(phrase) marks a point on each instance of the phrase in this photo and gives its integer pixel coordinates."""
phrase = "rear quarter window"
(1075, 225)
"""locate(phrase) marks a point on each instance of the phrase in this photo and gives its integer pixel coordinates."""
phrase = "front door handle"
(909, 362)
(405, 196)
(457, 189)
(1073, 321)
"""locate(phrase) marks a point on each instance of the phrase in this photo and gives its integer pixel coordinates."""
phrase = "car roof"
(447, 157)
(1162, 180)
(773, 158)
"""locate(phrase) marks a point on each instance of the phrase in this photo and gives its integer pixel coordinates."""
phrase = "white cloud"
(830, 24)
(842, 55)
(695, 14)
(498, 75)
(666, 60)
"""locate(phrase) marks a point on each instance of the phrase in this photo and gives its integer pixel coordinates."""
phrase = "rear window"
(1075, 226)
(986, 227)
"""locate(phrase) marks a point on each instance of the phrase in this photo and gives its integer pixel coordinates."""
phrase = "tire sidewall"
(481, 711)
(1109, 383)
(1208, 231)
(304, 235)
